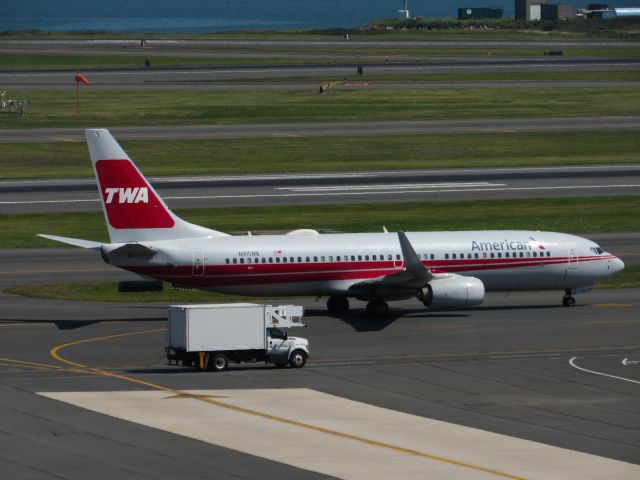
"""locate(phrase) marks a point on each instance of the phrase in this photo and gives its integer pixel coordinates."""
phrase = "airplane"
(440, 269)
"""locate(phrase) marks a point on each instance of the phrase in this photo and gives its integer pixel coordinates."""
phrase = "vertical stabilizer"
(132, 208)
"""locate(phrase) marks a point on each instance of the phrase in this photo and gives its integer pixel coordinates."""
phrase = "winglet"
(412, 262)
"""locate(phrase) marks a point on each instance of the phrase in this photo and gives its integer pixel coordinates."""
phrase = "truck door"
(277, 345)
(198, 263)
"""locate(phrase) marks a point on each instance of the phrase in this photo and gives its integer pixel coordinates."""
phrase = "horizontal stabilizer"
(77, 242)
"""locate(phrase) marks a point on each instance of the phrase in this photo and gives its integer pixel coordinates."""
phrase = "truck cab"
(281, 348)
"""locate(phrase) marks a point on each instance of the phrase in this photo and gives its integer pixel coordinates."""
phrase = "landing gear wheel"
(377, 308)
(338, 305)
(297, 359)
(568, 301)
(219, 363)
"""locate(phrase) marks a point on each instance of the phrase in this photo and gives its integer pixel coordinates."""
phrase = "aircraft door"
(573, 256)
(198, 263)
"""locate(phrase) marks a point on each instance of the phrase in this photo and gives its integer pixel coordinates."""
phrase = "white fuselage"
(337, 264)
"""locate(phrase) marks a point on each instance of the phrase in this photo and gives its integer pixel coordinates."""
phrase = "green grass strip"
(108, 292)
(579, 215)
(187, 107)
(312, 154)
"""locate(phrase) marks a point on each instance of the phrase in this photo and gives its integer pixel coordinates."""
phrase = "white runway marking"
(572, 362)
(336, 191)
(344, 438)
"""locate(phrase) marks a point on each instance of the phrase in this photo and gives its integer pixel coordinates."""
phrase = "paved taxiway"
(198, 77)
(28, 196)
(259, 130)
(501, 368)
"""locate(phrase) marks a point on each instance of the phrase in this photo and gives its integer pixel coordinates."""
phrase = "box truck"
(210, 336)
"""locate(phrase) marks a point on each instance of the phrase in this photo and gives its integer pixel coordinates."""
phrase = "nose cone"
(617, 265)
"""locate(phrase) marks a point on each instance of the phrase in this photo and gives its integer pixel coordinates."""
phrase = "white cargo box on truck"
(234, 326)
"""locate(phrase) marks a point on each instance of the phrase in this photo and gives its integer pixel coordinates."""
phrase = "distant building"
(561, 11)
(531, 10)
(479, 13)
(523, 9)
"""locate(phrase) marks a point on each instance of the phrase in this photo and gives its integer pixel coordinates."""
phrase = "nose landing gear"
(568, 300)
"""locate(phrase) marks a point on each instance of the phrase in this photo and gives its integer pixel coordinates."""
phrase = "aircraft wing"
(414, 274)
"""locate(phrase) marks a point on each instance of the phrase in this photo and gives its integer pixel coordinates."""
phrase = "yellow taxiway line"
(55, 353)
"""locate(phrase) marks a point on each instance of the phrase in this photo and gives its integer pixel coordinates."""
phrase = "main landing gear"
(338, 305)
(377, 308)
(568, 300)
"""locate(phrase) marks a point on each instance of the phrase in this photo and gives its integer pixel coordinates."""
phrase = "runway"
(201, 77)
(258, 130)
(29, 196)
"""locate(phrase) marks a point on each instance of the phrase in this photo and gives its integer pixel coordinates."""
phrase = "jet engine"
(454, 291)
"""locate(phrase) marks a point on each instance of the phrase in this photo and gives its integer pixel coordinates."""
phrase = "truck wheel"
(219, 362)
(297, 359)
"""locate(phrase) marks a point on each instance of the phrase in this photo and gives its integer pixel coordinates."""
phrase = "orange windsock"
(81, 78)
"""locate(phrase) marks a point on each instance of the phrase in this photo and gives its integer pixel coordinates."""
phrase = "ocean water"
(219, 15)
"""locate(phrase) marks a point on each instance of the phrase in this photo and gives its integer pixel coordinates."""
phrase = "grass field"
(579, 215)
(307, 154)
(184, 107)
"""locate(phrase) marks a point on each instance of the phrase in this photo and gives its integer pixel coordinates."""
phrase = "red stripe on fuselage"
(260, 274)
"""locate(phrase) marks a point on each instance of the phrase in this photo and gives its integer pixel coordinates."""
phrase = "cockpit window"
(597, 250)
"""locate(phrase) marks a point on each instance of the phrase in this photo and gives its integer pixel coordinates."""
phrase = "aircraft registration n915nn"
(440, 269)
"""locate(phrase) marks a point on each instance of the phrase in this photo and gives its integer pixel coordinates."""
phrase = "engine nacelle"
(457, 291)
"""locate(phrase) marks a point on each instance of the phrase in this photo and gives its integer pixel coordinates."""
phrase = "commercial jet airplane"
(441, 269)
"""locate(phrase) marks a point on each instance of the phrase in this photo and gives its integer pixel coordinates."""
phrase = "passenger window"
(308, 259)
(374, 257)
(315, 259)
(338, 258)
(493, 255)
(264, 259)
(432, 256)
(528, 254)
(284, 259)
(270, 259)
(468, 255)
(242, 260)
(322, 258)
(330, 258)
(535, 254)
(353, 258)
(277, 259)
(548, 254)
(366, 257)
(389, 257)
(453, 255)
(299, 259)
(397, 257)
(484, 254)
(359, 257)
(499, 254)
(226, 261)
(475, 255)
(235, 260)
(446, 256)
